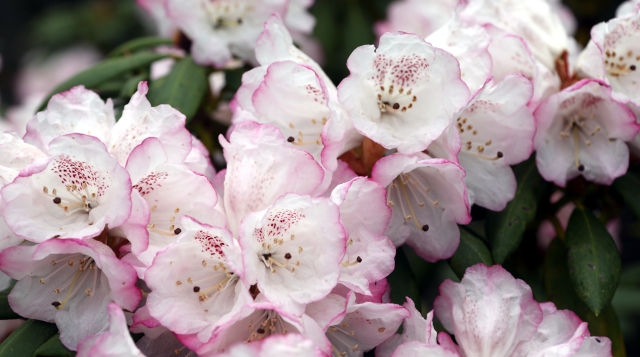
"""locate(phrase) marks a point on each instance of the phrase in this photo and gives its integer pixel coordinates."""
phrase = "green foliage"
(27, 338)
(53, 348)
(628, 186)
(506, 228)
(471, 251)
(138, 44)
(563, 295)
(183, 88)
(593, 260)
(104, 71)
(402, 281)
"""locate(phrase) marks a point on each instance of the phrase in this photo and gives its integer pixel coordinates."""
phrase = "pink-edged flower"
(403, 94)
(261, 167)
(414, 328)
(469, 44)
(82, 111)
(75, 193)
(627, 8)
(156, 182)
(415, 16)
(222, 29)
(493, 314)
(293, 251)
(195, 287)
(495, 130)
(365, 215)
(116, 342)
(279, 345)
(581, 131)
(69, 282)
(289, 76)
(535, 21)
(262, 321)
(428, 199)
(157, 340)
(17, 155)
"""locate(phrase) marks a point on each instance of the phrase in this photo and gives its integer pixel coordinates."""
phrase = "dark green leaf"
(403, 282)
(6, 313)
(183, 88)
(27, 338)
(131, 85)
(593, 260)
(628, 186)
(631, 276)
(505, 229)
(562, 294)
(139, 44)
(53, 348)
(105, 70)
(471, 251)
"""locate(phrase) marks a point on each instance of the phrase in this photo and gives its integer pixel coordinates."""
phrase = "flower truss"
(118, 226)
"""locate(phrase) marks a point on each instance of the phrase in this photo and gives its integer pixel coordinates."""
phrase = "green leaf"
(183, 88)
(6, 313)
(471, 251)
(505, 229)
(628, 186)
(556, 275)
(27, 338)
(104, 71)
(139, 44)
(53, 348)
(131, 85)
(593, 260)
(403, 282)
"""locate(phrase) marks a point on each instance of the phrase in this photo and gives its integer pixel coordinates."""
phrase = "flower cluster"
(117, 226)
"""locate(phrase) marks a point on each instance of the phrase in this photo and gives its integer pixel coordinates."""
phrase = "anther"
(425, 227)
(291, 139)
(260, 331)
(500, 154)
(177, 231)
(396, 106)
(632, 67)
(581, 168)
(57, 200)
(287, 256)
(358, 259)
(196, 289)
(56, 304)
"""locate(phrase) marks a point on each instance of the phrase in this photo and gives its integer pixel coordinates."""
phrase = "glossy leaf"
(403, 282)
(505, 229)
(27, 338)
(628, 186)
(139, 44)
(562, 294)
(593, 260)
(104, 71)
(53, 348)
(6, 313)
(183, 88)
(471, 251)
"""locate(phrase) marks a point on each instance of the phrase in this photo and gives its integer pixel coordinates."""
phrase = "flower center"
(225, 15)
(157, 223)
(269, 323)
(77, 268)
(468, 135)
(620, 64)
(392, 101)
(74, 198)
(339, 336)
(307, 135)
(408, 189)
(578, 129)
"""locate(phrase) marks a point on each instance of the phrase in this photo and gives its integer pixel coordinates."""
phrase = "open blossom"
(493, 314)
(403, 94)
(116, 342)
(495, 130)
(428, 199)
(293, 250)
(415, 16)
(75, 193)
(581, 131)
(69, 282)
(222, 29)
(369, 255)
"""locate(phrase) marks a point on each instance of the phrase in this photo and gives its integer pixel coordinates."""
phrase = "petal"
(116, 342)
(418, 349)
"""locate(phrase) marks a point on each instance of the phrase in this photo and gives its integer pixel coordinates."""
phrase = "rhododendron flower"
(195, 290)
(75, 193)
(428, 198)
(17, 155)
(495, 130)
(414, 328)
(69, 282)
(535, 21)
(415, 16)
(82, 111)
(581, 131)
(222, 29)
(365, 215)
(627, 8)
(285, 345)
(403, 94)
(115, 342)
(293, 250)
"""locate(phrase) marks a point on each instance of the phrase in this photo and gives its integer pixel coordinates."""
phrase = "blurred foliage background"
(342, 25)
